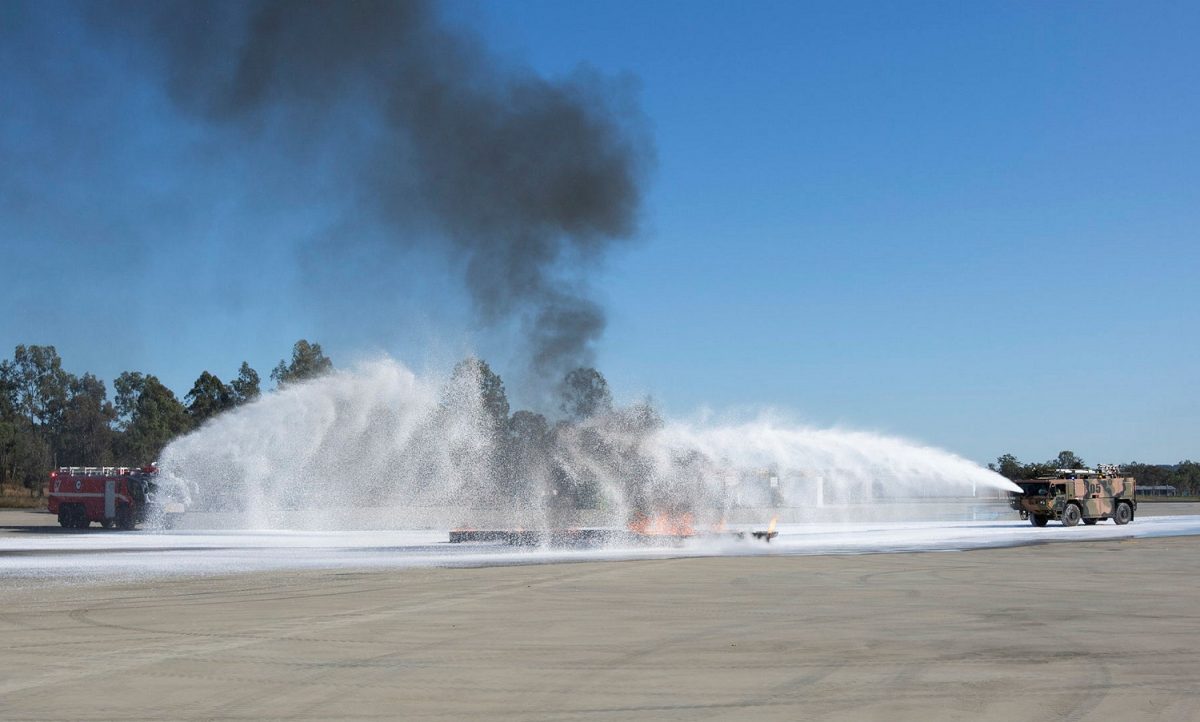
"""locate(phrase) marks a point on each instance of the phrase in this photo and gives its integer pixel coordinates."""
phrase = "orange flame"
(771, 526)
(662, 524)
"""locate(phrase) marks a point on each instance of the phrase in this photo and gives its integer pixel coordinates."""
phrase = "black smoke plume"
(528, 180)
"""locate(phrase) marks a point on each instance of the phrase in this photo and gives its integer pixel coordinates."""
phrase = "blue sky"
(970, 224)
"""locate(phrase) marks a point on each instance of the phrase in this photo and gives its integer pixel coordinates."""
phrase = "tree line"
(529, 450)
(1184, 476)
(50, 417)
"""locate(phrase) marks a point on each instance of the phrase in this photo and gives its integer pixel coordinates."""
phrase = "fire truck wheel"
(106, 523)
(1038, 520)
(1124, 513)
(72, 516)
(1071, 515)
(125, 518)
(1090, 522)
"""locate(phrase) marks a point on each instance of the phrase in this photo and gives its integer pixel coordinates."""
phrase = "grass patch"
(1165, 499)
(18, 497)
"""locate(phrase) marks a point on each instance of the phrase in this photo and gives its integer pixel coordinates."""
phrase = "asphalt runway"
(1102, 630)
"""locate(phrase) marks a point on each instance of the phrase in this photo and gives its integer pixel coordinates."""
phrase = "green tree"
(1186, 477)
(208, 398)
(42, 389)
(1148, 474)
(87, 434)
(24, 455)
(8, 422)
(1067, 460)
(36, 391)
(128, 387)
(245, 386)
(8, 390)
(583, 394)
(308, 362)
(149, 415)
(526, 452)
(1008, 467)
(1033, 470)
(475, 374)
(531, 430)
(30, 458)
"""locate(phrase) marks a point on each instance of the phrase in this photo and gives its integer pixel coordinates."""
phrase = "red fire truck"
(112, 495)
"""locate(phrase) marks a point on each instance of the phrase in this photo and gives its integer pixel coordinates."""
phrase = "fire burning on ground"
(662, 524)
(770, 533)
(654, 529)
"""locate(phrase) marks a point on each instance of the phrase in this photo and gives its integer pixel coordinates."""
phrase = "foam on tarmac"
(96, 555)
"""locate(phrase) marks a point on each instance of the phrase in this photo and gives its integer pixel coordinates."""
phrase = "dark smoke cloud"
(529, 180)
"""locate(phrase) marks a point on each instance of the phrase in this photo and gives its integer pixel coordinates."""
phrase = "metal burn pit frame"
(590, 537)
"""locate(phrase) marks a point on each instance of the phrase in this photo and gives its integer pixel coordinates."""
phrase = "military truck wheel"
(1090, 522)
(1071, 515)
(1038, 520)
(1123, 514)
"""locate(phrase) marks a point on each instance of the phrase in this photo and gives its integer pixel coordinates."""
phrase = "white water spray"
(407, 451)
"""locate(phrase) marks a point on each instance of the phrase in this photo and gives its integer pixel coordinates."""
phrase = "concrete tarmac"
(1078, 631)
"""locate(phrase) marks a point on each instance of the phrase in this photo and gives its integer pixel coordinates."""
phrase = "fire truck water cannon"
(116, 496)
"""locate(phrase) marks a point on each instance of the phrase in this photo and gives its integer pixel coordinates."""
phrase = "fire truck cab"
(113, 496)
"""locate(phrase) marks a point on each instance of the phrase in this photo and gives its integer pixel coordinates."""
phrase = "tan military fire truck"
(1075, 495)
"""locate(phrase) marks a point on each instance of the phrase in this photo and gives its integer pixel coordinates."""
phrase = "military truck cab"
(1075, 495)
